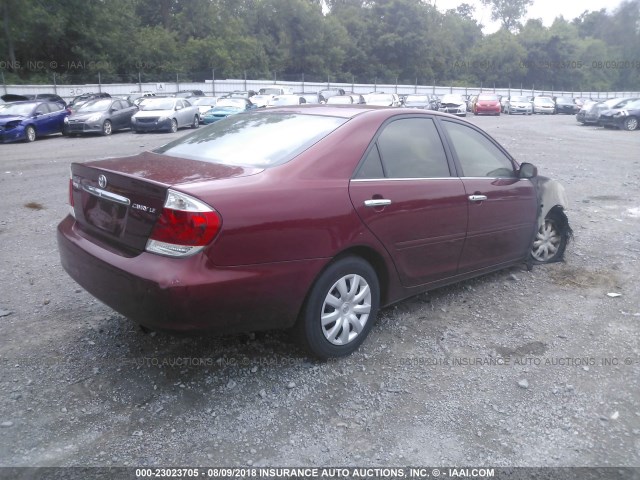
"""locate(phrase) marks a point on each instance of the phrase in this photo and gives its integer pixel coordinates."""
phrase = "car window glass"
(372, 165)
(411, 148)
(55, 107)
(478, 156)
(42, 109)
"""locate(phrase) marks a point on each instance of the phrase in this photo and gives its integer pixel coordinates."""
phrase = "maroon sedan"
(310, 217)
(487, 104)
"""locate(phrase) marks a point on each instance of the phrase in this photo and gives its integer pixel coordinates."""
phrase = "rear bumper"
(188, 294)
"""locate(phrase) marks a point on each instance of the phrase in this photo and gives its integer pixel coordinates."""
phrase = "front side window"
(411, 148)
(478, 156)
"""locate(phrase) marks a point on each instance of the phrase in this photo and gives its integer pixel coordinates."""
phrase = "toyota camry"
(304, 217)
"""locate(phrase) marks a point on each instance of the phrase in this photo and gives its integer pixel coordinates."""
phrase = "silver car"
(169, 113)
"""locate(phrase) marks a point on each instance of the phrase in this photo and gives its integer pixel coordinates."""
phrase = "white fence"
(220, 87)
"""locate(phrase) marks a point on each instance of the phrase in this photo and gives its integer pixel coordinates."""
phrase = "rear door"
(502, 207)
(406, 195)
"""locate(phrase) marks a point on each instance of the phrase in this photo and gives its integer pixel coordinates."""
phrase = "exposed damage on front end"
(554, 232)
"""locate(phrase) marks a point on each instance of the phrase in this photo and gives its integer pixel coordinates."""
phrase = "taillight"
(185, 226)
(71, 203)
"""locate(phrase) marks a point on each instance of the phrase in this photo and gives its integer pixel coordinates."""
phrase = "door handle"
(477, 198)
(378, 202)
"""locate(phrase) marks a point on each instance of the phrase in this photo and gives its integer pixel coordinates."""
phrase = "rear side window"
(478, 156)
(411, 148)
(253, 139)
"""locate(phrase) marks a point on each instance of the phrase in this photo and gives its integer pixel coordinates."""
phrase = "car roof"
(353, 110)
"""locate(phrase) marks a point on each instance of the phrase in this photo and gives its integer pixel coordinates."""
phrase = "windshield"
(488, 98)
(633, 105)
(253, 139)
(157, 104)
(417, 98)
(95, 106)
(19, 109)
(520, 99)
(203, 101)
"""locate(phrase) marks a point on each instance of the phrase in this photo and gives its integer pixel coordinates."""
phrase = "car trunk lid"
(117, 201)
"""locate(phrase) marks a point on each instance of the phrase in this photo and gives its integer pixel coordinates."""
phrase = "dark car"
(566, 105)
(311, 217)
(49, 97)
(590, 113)
(80, 100)
(625, 118)
(30, 120)
(103, 116)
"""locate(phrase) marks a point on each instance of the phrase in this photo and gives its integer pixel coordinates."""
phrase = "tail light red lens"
(185, 226)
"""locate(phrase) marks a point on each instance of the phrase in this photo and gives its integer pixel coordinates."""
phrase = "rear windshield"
(253, 139)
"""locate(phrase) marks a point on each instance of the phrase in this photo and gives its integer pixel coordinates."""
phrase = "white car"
(383, 99)
(204, 104)
(168, 113)
(544, 105)
(453, 104)
(519, 105)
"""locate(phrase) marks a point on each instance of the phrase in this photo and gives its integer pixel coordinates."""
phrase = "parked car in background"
(240, 94)
(137, 97)
(283, 100)
(261, 100)
(275, 91)
(172, 253)
(487, 104)
(104, 116)
(189, 93)
(566, 105)
(165, 113)
(29, 120)
(544, 105)
(204, 104)
(626, 117)
(383, 99)
(590, 113)
(330, 92)
(313, 98)
(340, 100)
(226, 107)
(454, 104)
(520, 104)
(48, 97)
(425, 102)
(80, 100)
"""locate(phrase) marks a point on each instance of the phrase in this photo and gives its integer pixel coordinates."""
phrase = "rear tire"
(340, 309)
(196, 122)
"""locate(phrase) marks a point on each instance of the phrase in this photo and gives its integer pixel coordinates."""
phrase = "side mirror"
(527, 170)
(178, 107)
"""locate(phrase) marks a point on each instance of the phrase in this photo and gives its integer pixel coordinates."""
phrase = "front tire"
(630, 123)
(174, 126)
(107, 128)
(550, 242)
(340, 309)
(30, 134)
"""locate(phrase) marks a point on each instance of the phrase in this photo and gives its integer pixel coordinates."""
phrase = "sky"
(547, 10)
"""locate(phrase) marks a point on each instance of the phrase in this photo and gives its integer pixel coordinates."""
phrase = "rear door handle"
(378, 202)
(477, 198)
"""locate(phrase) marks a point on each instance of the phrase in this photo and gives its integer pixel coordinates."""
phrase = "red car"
(487, 104)
(310, 217)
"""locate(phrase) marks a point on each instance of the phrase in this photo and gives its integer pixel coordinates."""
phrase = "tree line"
(358, 41)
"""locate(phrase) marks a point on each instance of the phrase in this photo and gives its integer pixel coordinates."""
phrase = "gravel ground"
(516, 368)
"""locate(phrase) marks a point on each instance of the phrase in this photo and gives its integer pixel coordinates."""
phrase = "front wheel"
(550, 242)
(630, 123)
(30, 134)
(340, 309)
(173, 128)
(107, 128)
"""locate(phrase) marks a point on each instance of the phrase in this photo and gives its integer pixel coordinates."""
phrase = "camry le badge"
(102, 181)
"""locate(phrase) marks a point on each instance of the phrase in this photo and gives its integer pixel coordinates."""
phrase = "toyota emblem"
(102, 181)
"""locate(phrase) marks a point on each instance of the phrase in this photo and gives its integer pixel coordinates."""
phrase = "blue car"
(225, 107)
(29, 120)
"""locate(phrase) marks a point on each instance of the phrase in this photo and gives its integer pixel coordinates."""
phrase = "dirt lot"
(517, 368)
